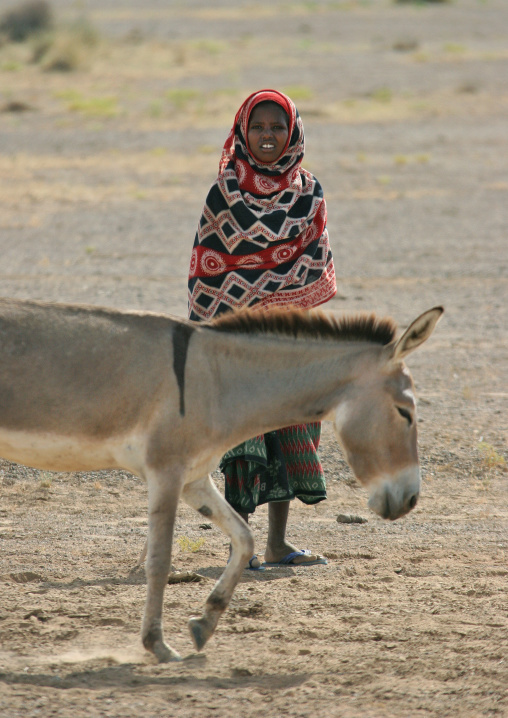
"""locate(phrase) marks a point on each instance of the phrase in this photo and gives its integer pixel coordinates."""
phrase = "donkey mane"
(313, 324)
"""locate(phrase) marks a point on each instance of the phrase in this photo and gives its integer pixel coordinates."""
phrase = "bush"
(28, 19)
(67, 48)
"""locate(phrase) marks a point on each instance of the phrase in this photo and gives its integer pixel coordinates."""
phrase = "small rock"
(350, 519)
(184, 577)
(25, 576)
(39, 614)
(16, 106)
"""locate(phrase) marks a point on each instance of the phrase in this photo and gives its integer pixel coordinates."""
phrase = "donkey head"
(376, 424)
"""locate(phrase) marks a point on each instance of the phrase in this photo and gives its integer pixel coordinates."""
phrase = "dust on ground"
(103, 172)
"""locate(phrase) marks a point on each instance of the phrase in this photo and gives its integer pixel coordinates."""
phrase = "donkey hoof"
(200, 632)
(165, 654)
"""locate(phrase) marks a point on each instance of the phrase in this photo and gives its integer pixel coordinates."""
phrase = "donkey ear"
(417, 333)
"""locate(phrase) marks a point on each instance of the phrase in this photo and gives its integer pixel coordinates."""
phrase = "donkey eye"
(405, 414)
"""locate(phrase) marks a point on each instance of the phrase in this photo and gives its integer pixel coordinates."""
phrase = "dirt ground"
(103, 172)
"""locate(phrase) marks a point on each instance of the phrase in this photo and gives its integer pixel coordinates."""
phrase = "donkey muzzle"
(397, 495)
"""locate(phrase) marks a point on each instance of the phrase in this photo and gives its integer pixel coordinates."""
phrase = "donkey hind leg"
(164, 489)
(205, 497)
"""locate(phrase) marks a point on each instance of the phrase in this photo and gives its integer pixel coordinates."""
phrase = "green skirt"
(277, 466)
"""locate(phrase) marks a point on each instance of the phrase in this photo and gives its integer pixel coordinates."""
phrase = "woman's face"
(268, 131)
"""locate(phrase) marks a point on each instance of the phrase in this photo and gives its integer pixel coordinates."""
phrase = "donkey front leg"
(164, 489)
(205, 497)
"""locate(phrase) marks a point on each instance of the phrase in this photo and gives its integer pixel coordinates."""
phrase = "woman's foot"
(254, 563)
(278, 551)
(291, 556)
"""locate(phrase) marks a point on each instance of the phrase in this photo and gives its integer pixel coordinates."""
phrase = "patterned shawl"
(262, 237)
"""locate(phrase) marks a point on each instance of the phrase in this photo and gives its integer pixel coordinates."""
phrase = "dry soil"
(103, 172)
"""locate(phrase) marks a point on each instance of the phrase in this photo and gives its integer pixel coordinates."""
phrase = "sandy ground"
(103, 175)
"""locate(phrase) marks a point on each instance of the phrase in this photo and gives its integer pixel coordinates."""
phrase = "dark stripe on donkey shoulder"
(181, 338)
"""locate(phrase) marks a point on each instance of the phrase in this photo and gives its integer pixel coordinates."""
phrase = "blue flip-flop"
(288, 560)
(250, 567)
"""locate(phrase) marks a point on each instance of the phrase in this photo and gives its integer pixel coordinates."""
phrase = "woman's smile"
(268, 132)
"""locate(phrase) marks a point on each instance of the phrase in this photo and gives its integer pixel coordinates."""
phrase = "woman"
(262, 241)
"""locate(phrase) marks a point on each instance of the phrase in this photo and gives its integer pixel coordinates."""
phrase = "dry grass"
(188, 545)
(171, 83)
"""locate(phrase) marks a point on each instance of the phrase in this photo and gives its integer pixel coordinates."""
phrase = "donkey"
(85, 388)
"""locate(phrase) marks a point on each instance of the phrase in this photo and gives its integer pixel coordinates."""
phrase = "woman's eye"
(405, 414)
